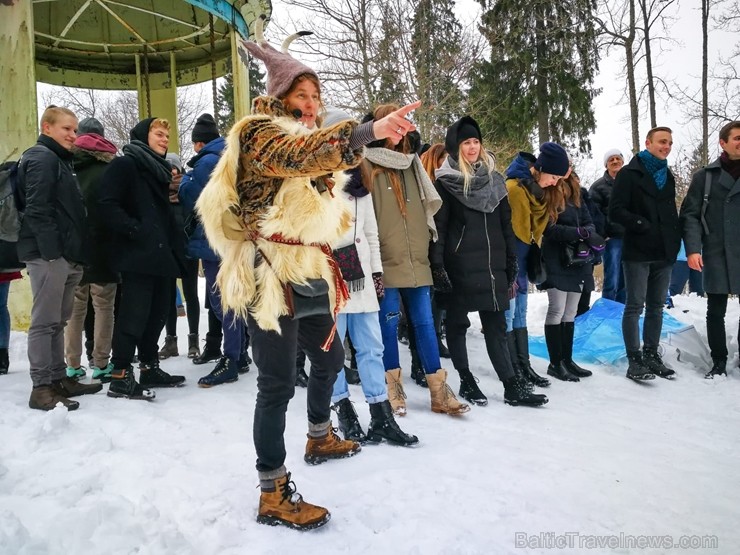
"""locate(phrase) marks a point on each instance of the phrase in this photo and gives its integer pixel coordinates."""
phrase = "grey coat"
(720, 248)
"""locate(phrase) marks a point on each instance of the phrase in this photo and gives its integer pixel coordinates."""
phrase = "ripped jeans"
(418, 305)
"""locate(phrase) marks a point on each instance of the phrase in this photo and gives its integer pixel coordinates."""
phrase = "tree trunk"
(543, 112)
(649, 63)
(630, 59)
(704, 86)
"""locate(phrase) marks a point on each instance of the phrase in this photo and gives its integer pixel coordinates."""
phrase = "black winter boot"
(554, 340)
(301, 378)
(469, 389)
(417, 372)
(211, 352)
(516, 393)
(151, 375)
(568, 330)
(651, 359)
(384, 427)
(719, 368)
(4, 362)
(124, 385)
(226, 371)
(193, 347)
(637, 369)
(349, 424)
(521, 337)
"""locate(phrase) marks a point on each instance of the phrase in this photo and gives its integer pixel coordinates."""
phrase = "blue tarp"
(598, 334)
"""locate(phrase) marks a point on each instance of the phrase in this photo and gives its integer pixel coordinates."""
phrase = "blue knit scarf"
(658, 168)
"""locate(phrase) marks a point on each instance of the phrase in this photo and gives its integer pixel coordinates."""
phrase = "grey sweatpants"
(53, 289)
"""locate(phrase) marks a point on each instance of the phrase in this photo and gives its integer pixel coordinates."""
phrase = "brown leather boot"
(443, 399)
(67, 387)
(396, 394)
(285, 506)
(330, 446)
(45, 397)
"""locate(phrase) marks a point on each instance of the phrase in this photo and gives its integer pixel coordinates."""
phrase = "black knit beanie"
(552, 159)
(463, 129)
(205, 129)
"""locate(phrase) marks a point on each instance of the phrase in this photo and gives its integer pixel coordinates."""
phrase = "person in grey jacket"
(710, 235)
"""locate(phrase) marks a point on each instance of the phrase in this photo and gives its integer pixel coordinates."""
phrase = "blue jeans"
(613, 288)
(233, 327)
(364, 331)
(418, 304)
(516, 316)
(4, 316)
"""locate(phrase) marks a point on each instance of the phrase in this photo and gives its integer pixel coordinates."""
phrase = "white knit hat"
(612, 152)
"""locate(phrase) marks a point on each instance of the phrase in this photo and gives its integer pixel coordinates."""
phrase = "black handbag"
(348, 259)
(536, 272)
(307, 299)
(576, 254)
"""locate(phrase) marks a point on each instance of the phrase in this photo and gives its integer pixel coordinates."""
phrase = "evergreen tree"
(436, 49)
(226, 94)
(539, 79)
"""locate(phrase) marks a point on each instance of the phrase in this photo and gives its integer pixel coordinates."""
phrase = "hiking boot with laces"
(330, 446)
(417, 372)
(637, 369)
(282, 505)
(170, 347)
(76, 373)
(103, 374)
(151, 375)
(45, 397)
(349, 424)
(67, 387)
(516, 393)
(469, 389)
(124, 385)
(396, 394)
(719, 368)
(209, 354)
(443, 399)
(651, 359)
(383, 427)
(193, 348)
(224, 372)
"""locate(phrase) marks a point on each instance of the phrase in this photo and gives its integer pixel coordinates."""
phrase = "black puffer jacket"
(601, 192)
(55, 221)
(648, 214)
(477, 250)
(565, 230)
(137, 210)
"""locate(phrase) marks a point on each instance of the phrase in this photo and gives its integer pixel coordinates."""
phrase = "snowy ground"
(606, 457)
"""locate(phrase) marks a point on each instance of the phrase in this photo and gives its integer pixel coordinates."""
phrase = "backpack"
(11, 210)
(705, 201)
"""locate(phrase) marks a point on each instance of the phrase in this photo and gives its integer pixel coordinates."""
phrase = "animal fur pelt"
(262, 186)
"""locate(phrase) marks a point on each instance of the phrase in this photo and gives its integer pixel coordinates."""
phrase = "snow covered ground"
(606, 461)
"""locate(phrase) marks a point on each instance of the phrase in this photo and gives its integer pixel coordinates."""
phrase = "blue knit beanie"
(552, 159)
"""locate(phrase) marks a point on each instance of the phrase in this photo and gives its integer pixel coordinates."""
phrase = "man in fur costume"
(270, 214)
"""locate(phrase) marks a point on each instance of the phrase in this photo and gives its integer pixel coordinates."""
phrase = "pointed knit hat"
(282, 68)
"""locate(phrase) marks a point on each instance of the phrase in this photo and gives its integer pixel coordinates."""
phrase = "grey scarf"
(487, 187)
(149, 161)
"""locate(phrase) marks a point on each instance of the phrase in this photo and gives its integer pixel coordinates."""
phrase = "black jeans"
(275, 357)
(646, 284)
(494, 332)
(140, 318)
(190, 292)
(716, 336)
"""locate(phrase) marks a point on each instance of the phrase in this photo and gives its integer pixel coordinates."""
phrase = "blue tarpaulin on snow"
(598, 334)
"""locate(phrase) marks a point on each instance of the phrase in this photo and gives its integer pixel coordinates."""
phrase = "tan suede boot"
(443, 399)
(285, 506)
(330, 446)
(396, 394)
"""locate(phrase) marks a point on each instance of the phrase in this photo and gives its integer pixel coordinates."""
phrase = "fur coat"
(264, 187)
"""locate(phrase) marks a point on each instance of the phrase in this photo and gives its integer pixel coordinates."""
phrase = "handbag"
(307, 299)
(536, 272)
(576, 254)
(348, 259)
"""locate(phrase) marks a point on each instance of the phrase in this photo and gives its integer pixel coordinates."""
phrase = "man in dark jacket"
(208, 146)
(52, 243)
(136, 206)
(644, 202)
(92, 154)
(600, 193)
(710, 235)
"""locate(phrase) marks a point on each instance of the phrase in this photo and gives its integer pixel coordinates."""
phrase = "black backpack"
(11, 207)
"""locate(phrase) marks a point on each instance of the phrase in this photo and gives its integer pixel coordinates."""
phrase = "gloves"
(583, 233)
(596, 242)
(441, 280)
(378, 284)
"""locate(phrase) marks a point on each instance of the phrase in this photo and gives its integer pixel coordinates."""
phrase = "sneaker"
(224, 372)
(151, 375)
(76, 373)
(282, 505)
(103, 374)
(124, 385)
(331, 446)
